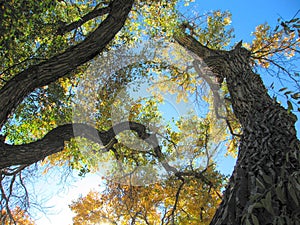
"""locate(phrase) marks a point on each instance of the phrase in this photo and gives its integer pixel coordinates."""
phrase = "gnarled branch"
(53, 142)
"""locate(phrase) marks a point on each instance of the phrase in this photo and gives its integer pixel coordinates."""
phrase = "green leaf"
(292, 193)
(267, 179)
(288, 92)
(254, 219)
(280, 193)
(295, 183)
(267, 203)
(290, 106)
(282, 89)
(248, 222)
(293, 20)
(296, 95)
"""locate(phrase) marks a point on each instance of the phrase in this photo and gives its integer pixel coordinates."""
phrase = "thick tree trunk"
(265, 185)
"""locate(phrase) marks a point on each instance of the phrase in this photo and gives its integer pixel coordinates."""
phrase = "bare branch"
(284, 70)
(176, 200)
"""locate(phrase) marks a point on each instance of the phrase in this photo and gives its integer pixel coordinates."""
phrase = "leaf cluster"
(124, 204)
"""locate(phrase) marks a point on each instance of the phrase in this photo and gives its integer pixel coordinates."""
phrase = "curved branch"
(53, 142)
(91, 15)
(176, 200)
(16, 89)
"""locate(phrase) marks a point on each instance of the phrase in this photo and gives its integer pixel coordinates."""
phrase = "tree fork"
(264, 187)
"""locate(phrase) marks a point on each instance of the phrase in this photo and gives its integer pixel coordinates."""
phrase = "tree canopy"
(82, 87)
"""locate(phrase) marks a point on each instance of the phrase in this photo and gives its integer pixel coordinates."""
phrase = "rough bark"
(58, 66)
(265, 185)
(53, 142)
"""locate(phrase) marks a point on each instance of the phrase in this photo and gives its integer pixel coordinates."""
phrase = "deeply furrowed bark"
(264, 187)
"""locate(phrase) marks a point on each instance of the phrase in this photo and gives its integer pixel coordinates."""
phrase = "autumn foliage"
(17, 215)
(35, 32)
(188, 202)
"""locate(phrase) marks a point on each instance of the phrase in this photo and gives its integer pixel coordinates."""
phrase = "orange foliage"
(151, 204)
(19, 216)
(269, 42)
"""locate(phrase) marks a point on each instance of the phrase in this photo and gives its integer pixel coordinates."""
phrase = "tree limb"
(91, 15)
(193, 45)
(16, 89)
(176, 201)
(53, 142)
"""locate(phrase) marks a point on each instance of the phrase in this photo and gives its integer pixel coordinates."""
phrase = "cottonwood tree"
(266, 175)
(264, 187)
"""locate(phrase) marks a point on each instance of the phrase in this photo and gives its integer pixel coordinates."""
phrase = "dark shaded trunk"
(265, 185)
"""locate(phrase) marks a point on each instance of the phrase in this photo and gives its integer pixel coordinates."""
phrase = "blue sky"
(246, 15)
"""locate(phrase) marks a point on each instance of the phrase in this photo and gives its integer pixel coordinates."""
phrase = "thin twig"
(176, 200)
